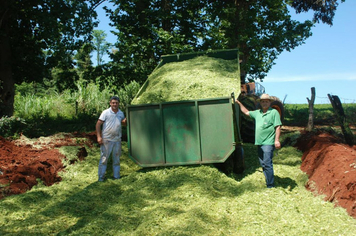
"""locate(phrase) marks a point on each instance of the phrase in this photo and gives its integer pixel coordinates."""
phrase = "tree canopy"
(260, 29)
(37, 35)
(39, 38)
(101, 46)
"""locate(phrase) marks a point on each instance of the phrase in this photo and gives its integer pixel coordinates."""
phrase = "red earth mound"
(22, 165)
(331, 167)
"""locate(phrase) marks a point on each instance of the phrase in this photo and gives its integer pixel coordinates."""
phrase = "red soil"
(330, 165)
(21, 165)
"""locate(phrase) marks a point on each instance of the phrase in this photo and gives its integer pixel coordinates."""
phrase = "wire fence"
(325, 100)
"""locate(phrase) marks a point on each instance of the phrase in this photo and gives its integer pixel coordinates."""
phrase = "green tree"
(100, 45)
(147, 29)
(83, 61)
(261, 29)
(35, 35)
(324, 11)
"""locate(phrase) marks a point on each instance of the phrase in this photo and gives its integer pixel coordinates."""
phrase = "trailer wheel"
(239, 160)
(235, 163)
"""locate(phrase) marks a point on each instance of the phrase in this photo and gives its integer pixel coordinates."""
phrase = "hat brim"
(259, 99)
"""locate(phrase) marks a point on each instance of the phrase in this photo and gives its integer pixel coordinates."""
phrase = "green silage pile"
(197, 78)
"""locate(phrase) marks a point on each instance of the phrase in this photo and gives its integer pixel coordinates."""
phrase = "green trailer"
(186, 132)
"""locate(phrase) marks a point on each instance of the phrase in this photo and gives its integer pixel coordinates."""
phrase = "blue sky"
(327, 60)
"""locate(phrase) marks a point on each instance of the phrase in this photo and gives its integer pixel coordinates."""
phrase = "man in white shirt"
(109, 137)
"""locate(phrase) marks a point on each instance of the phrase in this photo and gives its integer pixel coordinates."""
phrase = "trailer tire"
(235, 163)
(239, 160)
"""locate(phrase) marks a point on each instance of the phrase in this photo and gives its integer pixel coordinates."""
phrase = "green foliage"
(10, 126)
(47, 111)
(261, 30)
(297, 114)
(100, 45)
(83, 61)
(180, 200)
(127, 94)
(43, 34)
(64, 77)
(37, 36)
(148, 29)
(31, 88)
(324, 10)
(90, 99)
(32, 107)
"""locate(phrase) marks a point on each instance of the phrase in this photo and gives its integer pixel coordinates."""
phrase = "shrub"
(11, 126)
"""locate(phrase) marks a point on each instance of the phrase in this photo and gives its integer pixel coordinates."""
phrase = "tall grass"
(181, 200)
(47, 111)
(90, 99)
(31, 106)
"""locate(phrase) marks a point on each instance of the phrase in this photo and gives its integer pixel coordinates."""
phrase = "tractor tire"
(278, 105)
(247, 124)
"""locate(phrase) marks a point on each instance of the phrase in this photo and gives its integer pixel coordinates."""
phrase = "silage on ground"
(198, 78)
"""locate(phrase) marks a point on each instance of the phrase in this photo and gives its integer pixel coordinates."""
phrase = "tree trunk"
(340, 115)
(310, 125)
(7, 89)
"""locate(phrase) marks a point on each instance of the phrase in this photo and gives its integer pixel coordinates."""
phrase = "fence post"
(340, 115)
(311, 101)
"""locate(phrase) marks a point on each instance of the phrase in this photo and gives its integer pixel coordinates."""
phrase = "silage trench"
(331, 167)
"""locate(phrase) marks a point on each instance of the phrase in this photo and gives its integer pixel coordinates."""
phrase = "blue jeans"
(265, 155)
(106, 149)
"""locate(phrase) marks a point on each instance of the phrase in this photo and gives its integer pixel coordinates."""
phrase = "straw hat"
(265, 96)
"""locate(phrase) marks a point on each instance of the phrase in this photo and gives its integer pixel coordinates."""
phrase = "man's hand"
(124, 122)
(243, 108)
(100, 140)
(277, 144)
(98, 131)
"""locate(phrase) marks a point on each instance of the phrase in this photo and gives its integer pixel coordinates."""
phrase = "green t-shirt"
(266, 123)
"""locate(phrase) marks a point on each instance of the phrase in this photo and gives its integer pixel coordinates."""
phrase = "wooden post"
(310, 125)
(340, 115)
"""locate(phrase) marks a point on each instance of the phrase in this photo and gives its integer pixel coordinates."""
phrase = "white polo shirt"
(112, 124)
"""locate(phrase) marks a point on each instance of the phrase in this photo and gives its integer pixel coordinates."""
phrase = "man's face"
(114, 104)
(265, 103)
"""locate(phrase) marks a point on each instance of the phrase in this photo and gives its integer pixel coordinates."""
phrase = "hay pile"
(197, 78)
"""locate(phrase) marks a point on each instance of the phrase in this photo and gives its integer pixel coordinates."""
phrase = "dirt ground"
(330, 165)
(23, 162)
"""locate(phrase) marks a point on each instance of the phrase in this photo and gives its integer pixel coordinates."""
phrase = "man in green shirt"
(268, 129)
